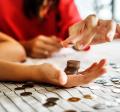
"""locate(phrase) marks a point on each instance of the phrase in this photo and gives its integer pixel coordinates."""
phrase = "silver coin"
(101, 81)
(115, 79)
(117, 86)
(118, 82)
(116, 67)
(116, 90)
(108, 84)
(112, 64)
(99, 106)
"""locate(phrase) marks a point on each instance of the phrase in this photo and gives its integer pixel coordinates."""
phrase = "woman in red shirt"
(38, 25)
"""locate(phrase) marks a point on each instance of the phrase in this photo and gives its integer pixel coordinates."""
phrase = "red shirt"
(14, 23)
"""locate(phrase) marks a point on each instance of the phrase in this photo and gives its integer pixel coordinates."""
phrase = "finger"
(95, 66)
(51, 41)
(91, 21)
(111, 29)
(89, 69)
(117, 34)
(40, 45)
(108, 29)
(93, 75)
(99, 38)
(86, 39)
(102, 63)
(62, 78)
(49, 48)
(40, 53)
(118, 28)
(59, 78)
(77, 28)
(98, 66)
(66, 42)
(79, 80)
(71, 40)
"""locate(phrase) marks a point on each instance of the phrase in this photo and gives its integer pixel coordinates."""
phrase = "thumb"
(86, 39)
(62, 78)
(68, 41)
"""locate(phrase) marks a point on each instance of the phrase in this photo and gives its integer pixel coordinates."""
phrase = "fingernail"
(87, 48)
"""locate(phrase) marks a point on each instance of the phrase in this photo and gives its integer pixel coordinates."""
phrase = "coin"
(26, 94)
(117, 86)
(74, 99)
(118, 83)
(19, 88)
(108, 84)
(69, 71)
(28, 85)
(99, 106)
(112, 64)
(49, 104)
(115, 79)
(116, 67)
(101, 81)
(73, 63)
(115, 90)
(72, 67)
(87, 96)
(52, 99)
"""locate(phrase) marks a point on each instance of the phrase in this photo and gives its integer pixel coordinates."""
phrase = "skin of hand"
(90, 31)
(53, 75)
(42, 46)
(118, 31)
(47, 73)
(10, 49)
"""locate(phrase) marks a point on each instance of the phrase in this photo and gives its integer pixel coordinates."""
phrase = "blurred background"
(104, 9)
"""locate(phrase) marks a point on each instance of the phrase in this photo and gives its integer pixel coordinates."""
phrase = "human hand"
(85, 77)
(90, 31)
(48, 73)
(42, 46)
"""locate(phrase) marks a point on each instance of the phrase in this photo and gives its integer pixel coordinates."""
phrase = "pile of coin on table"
(72, 67)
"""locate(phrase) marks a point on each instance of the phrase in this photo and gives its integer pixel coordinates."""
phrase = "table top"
(102, 95)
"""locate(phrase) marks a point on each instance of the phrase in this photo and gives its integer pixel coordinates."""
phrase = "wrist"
(35, 73)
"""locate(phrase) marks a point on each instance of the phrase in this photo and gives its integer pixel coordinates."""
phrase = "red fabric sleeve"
(69, 16)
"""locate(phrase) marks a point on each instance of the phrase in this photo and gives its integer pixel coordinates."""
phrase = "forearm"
(16, 72)
(10, 49)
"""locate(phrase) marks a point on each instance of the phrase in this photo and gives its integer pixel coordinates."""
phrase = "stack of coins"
(72, 67)
(51, 102)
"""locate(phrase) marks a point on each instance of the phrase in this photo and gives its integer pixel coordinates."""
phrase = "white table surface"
(11, 101)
